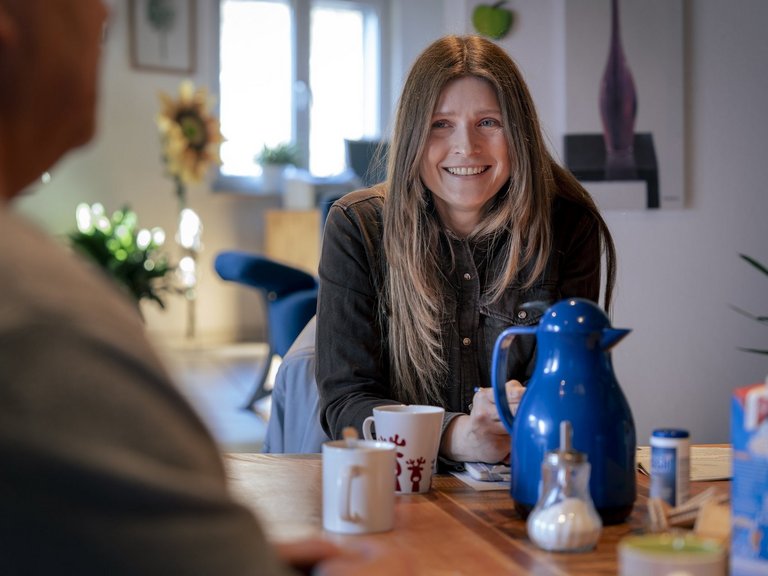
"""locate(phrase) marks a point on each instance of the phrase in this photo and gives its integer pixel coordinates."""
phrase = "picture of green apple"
(493, 21)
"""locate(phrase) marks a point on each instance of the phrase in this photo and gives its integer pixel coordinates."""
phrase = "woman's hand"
(480, 436)
(323, 558)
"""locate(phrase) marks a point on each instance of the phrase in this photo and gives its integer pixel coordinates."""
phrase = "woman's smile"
(466, 170)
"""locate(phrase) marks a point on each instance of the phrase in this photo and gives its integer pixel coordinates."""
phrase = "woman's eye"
(440, 124)
(490, 123)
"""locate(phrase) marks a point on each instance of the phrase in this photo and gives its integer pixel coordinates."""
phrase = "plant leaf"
(755, 263)
(754, 350)
(761, 319)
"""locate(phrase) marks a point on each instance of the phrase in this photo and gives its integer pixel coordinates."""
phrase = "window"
(301, 71)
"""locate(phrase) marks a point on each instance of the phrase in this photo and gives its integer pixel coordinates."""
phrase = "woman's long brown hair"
(414, 299)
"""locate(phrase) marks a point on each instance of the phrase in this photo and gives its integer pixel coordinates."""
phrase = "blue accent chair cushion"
(290, 296)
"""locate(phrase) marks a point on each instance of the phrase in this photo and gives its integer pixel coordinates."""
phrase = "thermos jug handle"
(499, 371)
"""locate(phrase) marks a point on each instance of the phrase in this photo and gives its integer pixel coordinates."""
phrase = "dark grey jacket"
(352, 354)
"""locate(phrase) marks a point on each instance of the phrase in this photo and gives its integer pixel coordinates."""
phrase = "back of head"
(49, 56)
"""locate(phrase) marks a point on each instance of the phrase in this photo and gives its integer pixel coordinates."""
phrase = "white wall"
(678, 269)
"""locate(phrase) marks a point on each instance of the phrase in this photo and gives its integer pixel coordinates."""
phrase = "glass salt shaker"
(564, 519)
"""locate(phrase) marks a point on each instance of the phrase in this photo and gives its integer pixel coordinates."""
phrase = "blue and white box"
(749, 498)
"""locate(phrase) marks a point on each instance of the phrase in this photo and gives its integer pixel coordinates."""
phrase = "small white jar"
(670, 465)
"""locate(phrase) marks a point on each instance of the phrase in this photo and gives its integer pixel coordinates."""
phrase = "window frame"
(301, 73)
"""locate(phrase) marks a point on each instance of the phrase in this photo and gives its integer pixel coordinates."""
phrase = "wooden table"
(453, 529)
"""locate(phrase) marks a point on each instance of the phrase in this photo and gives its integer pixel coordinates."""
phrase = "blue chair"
(291, 294)
(291, 300)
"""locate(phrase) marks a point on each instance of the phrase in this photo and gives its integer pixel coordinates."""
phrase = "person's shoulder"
(366, 198)
(47, 283)
(362, 206)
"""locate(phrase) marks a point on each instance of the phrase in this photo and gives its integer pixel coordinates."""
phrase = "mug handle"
(367, 423)
(345, 502)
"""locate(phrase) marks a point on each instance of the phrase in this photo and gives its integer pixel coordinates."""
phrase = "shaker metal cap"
(565, 454)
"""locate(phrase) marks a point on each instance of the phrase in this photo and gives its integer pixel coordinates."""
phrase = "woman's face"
(466, 159)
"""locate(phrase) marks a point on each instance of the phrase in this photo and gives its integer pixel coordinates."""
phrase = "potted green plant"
(132, 257)
(273, 161)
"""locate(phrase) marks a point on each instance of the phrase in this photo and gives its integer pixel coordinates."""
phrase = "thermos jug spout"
(612, 336)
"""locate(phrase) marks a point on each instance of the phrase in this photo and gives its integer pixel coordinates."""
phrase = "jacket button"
(522, 314)
(467, 276)
(466, 341)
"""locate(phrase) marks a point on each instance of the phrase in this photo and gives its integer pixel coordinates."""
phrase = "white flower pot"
(273, 178)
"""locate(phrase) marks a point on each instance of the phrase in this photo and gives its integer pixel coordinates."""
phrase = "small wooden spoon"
(349, 434)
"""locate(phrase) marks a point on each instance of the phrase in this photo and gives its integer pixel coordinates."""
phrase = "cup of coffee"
(415, 431)
(358, 487)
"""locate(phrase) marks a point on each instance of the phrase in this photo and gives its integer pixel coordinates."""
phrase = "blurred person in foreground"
(105, 467)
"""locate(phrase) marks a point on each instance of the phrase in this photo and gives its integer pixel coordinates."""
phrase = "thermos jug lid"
(574, 315)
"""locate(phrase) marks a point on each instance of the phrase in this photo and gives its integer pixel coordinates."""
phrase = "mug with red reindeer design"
(415, 431)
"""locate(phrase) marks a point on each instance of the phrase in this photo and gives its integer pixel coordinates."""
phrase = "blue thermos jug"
(572, 380)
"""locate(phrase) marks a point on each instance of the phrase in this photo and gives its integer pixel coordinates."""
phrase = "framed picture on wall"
(162, 35)
(624, 101)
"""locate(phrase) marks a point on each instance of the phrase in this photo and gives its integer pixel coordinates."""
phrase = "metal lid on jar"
(670, 433)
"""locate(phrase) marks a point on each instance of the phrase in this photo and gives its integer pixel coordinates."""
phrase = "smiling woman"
(475, 228)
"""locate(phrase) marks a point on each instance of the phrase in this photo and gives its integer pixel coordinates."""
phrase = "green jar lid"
(672, 544)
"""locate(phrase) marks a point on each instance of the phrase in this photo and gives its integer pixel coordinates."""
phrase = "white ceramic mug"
(358, 488)
(415, 431)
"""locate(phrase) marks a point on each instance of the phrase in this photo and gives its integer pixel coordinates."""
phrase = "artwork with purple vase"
(618, 127)
(618, 108)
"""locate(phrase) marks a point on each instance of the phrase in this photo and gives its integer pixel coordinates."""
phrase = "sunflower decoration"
(190, 135)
